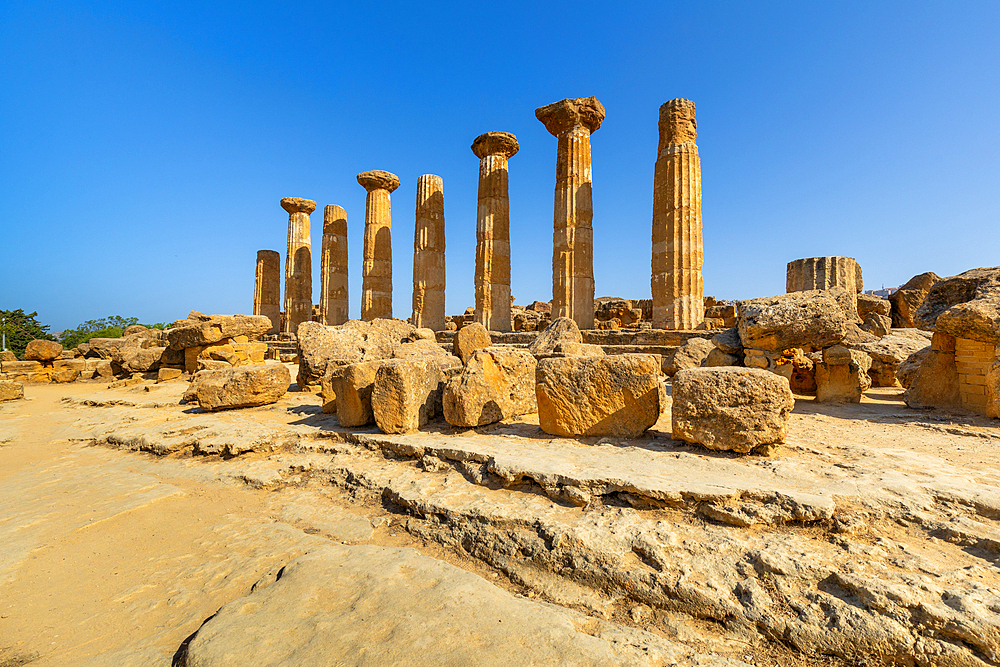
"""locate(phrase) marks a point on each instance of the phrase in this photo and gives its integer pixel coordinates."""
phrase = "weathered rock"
(892, 350)
(842, 378)
(65, 375)
(978, 320)
(242, 387)
(909, 368)
(729, 341)
(734, 409)
(134, 329)
(993, 391)
(132, 357)
(615, 395)
(347, 390)
(692, 354)
(407, 392)
(167, 374)
(42, 350)
(935, 384)
(798, 319)
(948, 292)
(206, 329)
(877, 325)
(562, 330)
(907, 299)
(10, 391)
(497, 383)
(856, 336)
(470, 338)
(354, 605)
(579, 349)
(872, 303)
(349, 343)
(420, 348)
(719, 358)
(7, 355)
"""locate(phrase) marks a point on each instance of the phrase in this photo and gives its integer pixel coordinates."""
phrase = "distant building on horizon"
(884, 292)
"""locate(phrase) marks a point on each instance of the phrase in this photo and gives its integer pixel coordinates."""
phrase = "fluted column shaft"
(678, 252)
(823, 273)
(298, 263)
(333, 300)
(267, 288)
(572, 121)
(376, 271)
(428, 254)
(493, 230)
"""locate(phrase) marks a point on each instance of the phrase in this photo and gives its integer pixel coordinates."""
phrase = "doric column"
(678, 252)
(376, 272)
(267, 288)
(298, 263)
(572, 121)
(493, 230)
(333, 301)
(823, 273)
(428, 254)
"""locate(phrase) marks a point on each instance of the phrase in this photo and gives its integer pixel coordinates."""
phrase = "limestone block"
(207, 329)
(470, 338)
(691, 354)
(839, 382)
(974, 322)
(729, 341)
(798, 319)
(872, 303)
(7, 355)
(243, 387)
(167, 374)
(213, 365)
(407, 394)
(837, 354)
(719, 358)
(993, 390)
(351, 342)
(615, 395)
(877, 324)
(10, 391)
(730, 409)
(20, 366)
(65, 375)
(40, 377)
(42, 350)
(104, 368)
(74, 364)
(579, 349)
(891, 351)
(821, 273)
(497, 383)
(347, 391)
(561, 330)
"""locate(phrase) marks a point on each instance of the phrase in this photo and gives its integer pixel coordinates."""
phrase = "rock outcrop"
(615, 395)
(735, 409)
(497, 383)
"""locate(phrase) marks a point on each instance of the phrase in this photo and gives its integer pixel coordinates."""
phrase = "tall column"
(298, 263)
(493, 230)
(678, 252)
(572, 121)
(267, 288)
(428, 254)
(376, 272)
(333, 301)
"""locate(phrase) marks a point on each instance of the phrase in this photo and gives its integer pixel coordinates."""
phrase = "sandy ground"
(111, 557)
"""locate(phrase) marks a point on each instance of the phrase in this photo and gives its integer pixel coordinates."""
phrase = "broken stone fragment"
(406, 393)
(735, 409)
(497, 383)
(242, 387)
(907, 299)
(842, 381)
(561, 330)
(42, 350)
(616, 395)
(347, 390)
(798, 319)
(470, 338)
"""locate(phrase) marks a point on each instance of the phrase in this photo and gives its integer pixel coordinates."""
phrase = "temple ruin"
(267, 288)
(333, 299)
(298, 263)
(428, 254)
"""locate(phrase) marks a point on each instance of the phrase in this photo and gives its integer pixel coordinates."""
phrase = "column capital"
(562, 116)
(495, 143)
(677, 122)
(378, 180)
(298, 205)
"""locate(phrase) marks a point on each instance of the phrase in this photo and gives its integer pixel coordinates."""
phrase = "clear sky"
(144, 146)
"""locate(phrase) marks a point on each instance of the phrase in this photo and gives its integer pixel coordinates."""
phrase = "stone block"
(843, 383)
(65, 375)
(497, 383)
(731, 409)
(470, 338)
(20, 367)
(166, 374)
(347, 391)
(798, 319)
(10, 391)
(615, 395)
(407, 393)
(72, 364)
(562, 330)
(42, 350)
(244, 387)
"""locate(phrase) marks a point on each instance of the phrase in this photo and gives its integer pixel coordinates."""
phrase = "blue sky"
(144, 147)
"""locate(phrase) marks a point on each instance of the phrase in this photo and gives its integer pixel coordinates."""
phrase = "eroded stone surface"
(42, 350)
(497, 383)
(243, 387)
(797, 319)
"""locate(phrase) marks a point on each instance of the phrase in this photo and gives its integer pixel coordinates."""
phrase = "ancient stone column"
(333, 302)
(678, 255)
(823, 273)
(376, 272)
(267, 288)
(572, 121)
(428, 254)
(493, 230)
(298, 263)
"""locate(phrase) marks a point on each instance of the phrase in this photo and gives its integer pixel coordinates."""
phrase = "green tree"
(20, 328)
(106, 327)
